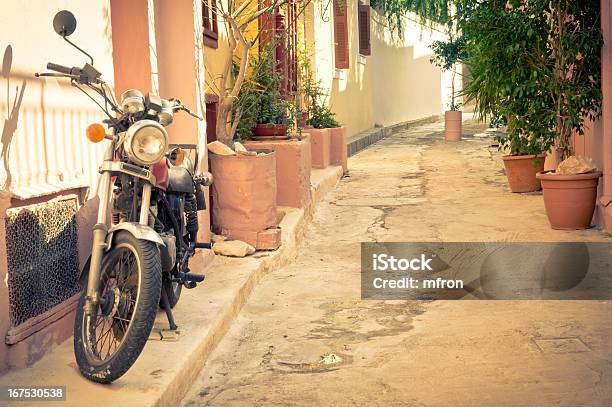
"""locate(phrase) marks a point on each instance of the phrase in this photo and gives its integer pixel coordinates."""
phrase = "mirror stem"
(77, 47)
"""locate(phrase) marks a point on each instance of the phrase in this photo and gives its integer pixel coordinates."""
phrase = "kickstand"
(166, 304)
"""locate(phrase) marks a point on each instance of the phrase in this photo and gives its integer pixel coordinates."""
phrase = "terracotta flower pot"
(452, 125)
(270, 132)
(244, 195)
(569, 199)
(521, 171)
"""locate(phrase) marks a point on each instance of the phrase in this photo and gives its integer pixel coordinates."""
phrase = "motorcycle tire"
(130, 288)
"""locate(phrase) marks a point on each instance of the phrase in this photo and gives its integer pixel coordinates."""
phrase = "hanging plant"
(428, 12)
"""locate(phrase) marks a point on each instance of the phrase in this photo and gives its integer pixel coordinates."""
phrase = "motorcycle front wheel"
(108, 342)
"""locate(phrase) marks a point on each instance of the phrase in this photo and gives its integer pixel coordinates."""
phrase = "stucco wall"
(48, 146)
(407, 86)
(44, 122)
(350, 90)
(214, 59)
(396, 83)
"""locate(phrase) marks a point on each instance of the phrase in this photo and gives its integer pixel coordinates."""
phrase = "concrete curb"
(166, 370)
(365, 139)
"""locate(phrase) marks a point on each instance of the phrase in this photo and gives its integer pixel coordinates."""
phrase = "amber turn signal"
(95, 132)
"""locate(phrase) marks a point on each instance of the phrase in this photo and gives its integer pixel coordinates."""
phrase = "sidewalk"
(166, 369)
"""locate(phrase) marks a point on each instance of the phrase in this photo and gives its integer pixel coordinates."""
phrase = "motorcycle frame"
(102, 234)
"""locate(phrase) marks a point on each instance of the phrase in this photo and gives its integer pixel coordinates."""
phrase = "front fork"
(100, 231)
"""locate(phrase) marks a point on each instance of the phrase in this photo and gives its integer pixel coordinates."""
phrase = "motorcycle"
(146, 224)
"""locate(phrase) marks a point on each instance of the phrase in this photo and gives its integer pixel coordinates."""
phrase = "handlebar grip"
(60, 68)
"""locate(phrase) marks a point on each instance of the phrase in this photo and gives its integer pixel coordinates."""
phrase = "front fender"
(139, 231)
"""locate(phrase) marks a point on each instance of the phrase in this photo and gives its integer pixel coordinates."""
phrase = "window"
(212, 104)
(210, 25)
(341, 43)
(364, 29)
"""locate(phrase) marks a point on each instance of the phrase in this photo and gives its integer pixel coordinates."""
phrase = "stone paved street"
(411, 187)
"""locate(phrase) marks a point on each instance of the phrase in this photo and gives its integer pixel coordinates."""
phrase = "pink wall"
(131, 55)
(605, 131)
(591, 144)
(174, 26)
(597, 140)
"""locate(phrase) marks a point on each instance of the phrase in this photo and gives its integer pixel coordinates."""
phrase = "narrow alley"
(306, 337)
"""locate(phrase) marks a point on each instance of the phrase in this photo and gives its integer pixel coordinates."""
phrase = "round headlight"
(146, 142)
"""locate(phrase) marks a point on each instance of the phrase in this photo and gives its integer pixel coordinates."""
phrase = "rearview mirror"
(64, 23)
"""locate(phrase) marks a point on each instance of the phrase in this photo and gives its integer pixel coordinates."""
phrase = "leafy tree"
(448, 54)
(537, 65)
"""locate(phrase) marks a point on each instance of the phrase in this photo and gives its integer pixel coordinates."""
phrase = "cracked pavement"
(412, 186)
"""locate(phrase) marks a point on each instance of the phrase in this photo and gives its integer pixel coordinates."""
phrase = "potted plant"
(572, 93)
(264, 110)
(524, 161)
(328, 137)
(244, 192)
(500, 43)
(274, 109)
(448, 55)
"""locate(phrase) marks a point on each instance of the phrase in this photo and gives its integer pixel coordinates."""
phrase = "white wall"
(48, 150)
(406, 85)
(397, 83)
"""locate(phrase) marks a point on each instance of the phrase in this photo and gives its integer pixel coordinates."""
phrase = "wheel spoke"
(119, 284)
(105, 337)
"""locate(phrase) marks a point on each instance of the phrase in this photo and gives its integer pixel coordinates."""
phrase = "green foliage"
(319, 115)
(537, 64)
(448, 53)
(323, 118)
(261, 100)
(428, 11)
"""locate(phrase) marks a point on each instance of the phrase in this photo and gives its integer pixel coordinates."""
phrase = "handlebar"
(63, 69)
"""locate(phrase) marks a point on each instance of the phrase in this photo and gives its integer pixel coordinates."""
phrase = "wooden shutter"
(364, 30)
(341, 39)
(210, 26)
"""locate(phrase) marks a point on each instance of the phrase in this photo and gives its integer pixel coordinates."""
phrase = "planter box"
(244, 195)
(338, 149)
(292, 170)
(319, 147)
